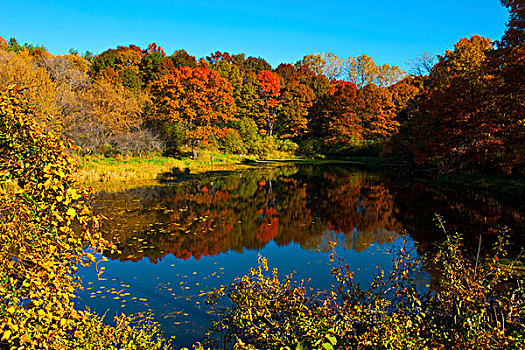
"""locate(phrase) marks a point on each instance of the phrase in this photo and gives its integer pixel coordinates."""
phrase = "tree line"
(462, 110)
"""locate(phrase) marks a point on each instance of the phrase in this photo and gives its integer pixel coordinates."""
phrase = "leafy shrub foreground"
(40, 250)
(476, 304)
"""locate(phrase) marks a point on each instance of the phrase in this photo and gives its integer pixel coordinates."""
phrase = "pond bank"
(507, 188)
(102, 172)
(106, 173)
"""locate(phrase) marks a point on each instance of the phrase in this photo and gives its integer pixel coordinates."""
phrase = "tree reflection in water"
(306, 205)
(236, 211)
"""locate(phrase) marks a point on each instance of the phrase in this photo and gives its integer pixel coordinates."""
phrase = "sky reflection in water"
(181, 240)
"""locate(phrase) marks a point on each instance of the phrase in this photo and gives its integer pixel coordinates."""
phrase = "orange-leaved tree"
(457, 126)
(120, 66)
(377, 112)
(198, 99)
(296, 98)
(508, 63)
(269, 85)
(334, 117)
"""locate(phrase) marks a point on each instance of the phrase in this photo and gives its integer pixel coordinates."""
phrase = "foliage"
(296, 99)
(181, 58)
(120, 66)
(45, 223)
(377, 112)
(334, 117)
(508, 64)
(459, 111)
(268, 90)
(106, 114)
(233, 143)
(476, 305)
(249, 132)
(154, 64)
(325, 63)
(197, 99)
(33, 81)
(362, 70)
(457, 127)
(422, 64)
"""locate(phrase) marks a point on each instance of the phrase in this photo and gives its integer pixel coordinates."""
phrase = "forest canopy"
(459, 111)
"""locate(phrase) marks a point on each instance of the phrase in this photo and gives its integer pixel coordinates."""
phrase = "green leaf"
(331, 339)
(328, 346)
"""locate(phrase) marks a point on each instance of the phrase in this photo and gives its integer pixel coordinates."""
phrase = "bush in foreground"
(39, 249)
(477, 304)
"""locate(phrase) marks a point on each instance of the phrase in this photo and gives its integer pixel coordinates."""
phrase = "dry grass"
(98, 171)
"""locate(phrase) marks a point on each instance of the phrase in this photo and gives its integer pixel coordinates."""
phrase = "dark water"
(180, 240)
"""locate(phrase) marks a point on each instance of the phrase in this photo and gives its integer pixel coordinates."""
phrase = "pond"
(179, 240)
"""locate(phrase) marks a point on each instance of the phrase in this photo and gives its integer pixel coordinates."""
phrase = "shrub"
(40, 250)
(475, 305)
(232, 143)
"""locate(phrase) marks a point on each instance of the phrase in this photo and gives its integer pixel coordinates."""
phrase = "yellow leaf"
(6, 335)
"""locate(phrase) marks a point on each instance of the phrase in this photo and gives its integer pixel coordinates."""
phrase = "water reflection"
(237, 211)
(206, 231)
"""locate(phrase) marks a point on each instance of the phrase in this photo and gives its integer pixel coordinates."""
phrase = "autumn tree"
(377, 112)
(45, 226)
(255, 64)
(325, 63)
(319, 84)
(508, 67)
(249, 102)
(120, 66)
(296, 99)
(362, 70)
(422, 65)
(181, 58)
(223, 64)
(107, 114)
(334, 118)
(3, 43)
(269, 85)
(242, 75)
(457, 127)
(154, 64)
(198, 99)
(405, 91)
(32, 80)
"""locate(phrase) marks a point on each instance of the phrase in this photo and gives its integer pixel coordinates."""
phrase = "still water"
(179, 240)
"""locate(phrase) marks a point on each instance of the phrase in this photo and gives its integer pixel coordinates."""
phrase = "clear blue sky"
(279, 31)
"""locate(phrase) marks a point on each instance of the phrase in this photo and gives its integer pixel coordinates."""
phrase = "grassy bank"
(102, 171)
(99, 170)
(358, 161)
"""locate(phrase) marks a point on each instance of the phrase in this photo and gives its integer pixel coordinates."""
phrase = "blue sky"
(279, 31)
